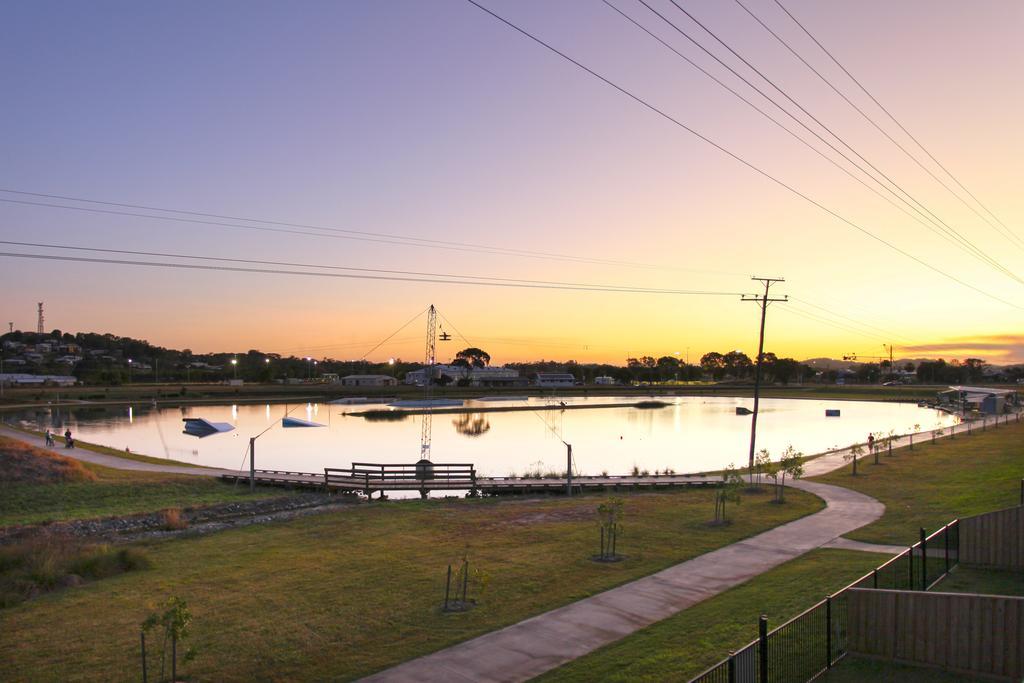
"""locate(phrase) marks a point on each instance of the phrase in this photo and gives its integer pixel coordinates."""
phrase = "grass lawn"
(932, 484)
(39, 485)
(859, 669)
(343, 594)
(115, 492)
(683, 645)
(968, 579)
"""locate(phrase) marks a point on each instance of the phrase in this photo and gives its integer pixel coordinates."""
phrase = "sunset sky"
(434, 121)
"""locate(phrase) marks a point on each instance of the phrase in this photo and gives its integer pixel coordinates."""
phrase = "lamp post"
(129, 371)
(234, 366)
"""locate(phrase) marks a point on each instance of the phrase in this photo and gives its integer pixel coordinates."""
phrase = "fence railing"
(812, 641)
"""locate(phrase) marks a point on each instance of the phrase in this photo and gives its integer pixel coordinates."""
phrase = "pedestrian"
(871, 443)
(49, 439)
(68, 441)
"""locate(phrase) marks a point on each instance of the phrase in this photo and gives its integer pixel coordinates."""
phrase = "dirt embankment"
(22, 463)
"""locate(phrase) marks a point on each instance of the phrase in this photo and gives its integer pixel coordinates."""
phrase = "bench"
(423, 476)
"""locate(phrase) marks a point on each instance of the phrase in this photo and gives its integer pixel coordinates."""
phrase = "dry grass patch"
(21, 463)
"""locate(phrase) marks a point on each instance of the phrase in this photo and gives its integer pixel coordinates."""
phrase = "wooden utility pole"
(763, 300)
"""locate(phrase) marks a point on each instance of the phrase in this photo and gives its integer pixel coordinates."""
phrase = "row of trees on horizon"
(154, 363)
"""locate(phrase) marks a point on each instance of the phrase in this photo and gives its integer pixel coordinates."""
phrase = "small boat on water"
(427, 403)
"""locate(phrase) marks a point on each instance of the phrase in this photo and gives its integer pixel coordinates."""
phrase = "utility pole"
(891, 368)
(763, 300)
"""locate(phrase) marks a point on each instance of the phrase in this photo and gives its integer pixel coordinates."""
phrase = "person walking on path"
(871, 443)
(49, 438)
(68, 441)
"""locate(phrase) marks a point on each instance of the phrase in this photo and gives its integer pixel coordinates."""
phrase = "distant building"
(555, 379)
(981, 399)
(478, 377)
(604, 379)
(368, 381)
(17, 379)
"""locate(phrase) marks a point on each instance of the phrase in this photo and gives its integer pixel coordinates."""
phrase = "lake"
(691, 434)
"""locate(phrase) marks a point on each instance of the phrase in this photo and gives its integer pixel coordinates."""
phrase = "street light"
(234, 364)
(129, 371)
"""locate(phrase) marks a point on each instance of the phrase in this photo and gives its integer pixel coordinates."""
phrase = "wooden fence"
(994, 539)
(972, 634)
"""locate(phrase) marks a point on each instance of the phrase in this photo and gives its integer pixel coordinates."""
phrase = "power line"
(299, 265)
(903, 195)
(736, 157)
(814, 317)
(888, 333)
(522, 284)
(385, 340)
(896, 121)
(919, 218)
(866, 117)
(331, 232)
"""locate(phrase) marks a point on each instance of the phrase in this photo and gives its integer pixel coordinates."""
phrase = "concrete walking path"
(531, 647)
(111, 461)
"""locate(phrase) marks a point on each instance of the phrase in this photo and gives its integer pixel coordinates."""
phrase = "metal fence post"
(910, 568)
(828, 631)
(732, 666)
(145, 676)
(924, 561)
(957, 522)
(874, 577)
(762, 636)
(945, 540)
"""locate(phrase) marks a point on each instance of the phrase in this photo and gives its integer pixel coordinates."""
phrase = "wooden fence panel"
(994, 539)
(977, 634)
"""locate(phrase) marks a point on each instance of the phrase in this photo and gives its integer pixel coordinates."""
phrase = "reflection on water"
(471, 424)
(691, 434)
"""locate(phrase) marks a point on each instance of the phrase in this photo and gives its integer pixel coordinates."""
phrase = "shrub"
(173, 519)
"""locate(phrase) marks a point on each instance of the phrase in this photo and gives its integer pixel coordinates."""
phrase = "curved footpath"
(531, 647)
(539, 644)
(111, 461)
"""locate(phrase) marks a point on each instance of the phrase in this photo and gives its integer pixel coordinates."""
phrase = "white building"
(478, 377)
(555, 379)
(17, 379)
(605, 379)
(368, 381)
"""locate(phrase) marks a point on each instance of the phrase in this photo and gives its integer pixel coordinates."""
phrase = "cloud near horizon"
(1007, 348)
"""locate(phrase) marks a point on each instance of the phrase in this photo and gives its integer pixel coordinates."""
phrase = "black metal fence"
(811, 642)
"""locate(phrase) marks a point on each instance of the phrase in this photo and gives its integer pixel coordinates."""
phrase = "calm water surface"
(692, 434)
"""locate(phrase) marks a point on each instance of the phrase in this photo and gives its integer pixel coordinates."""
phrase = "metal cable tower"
(428, 383)
(39, 325)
